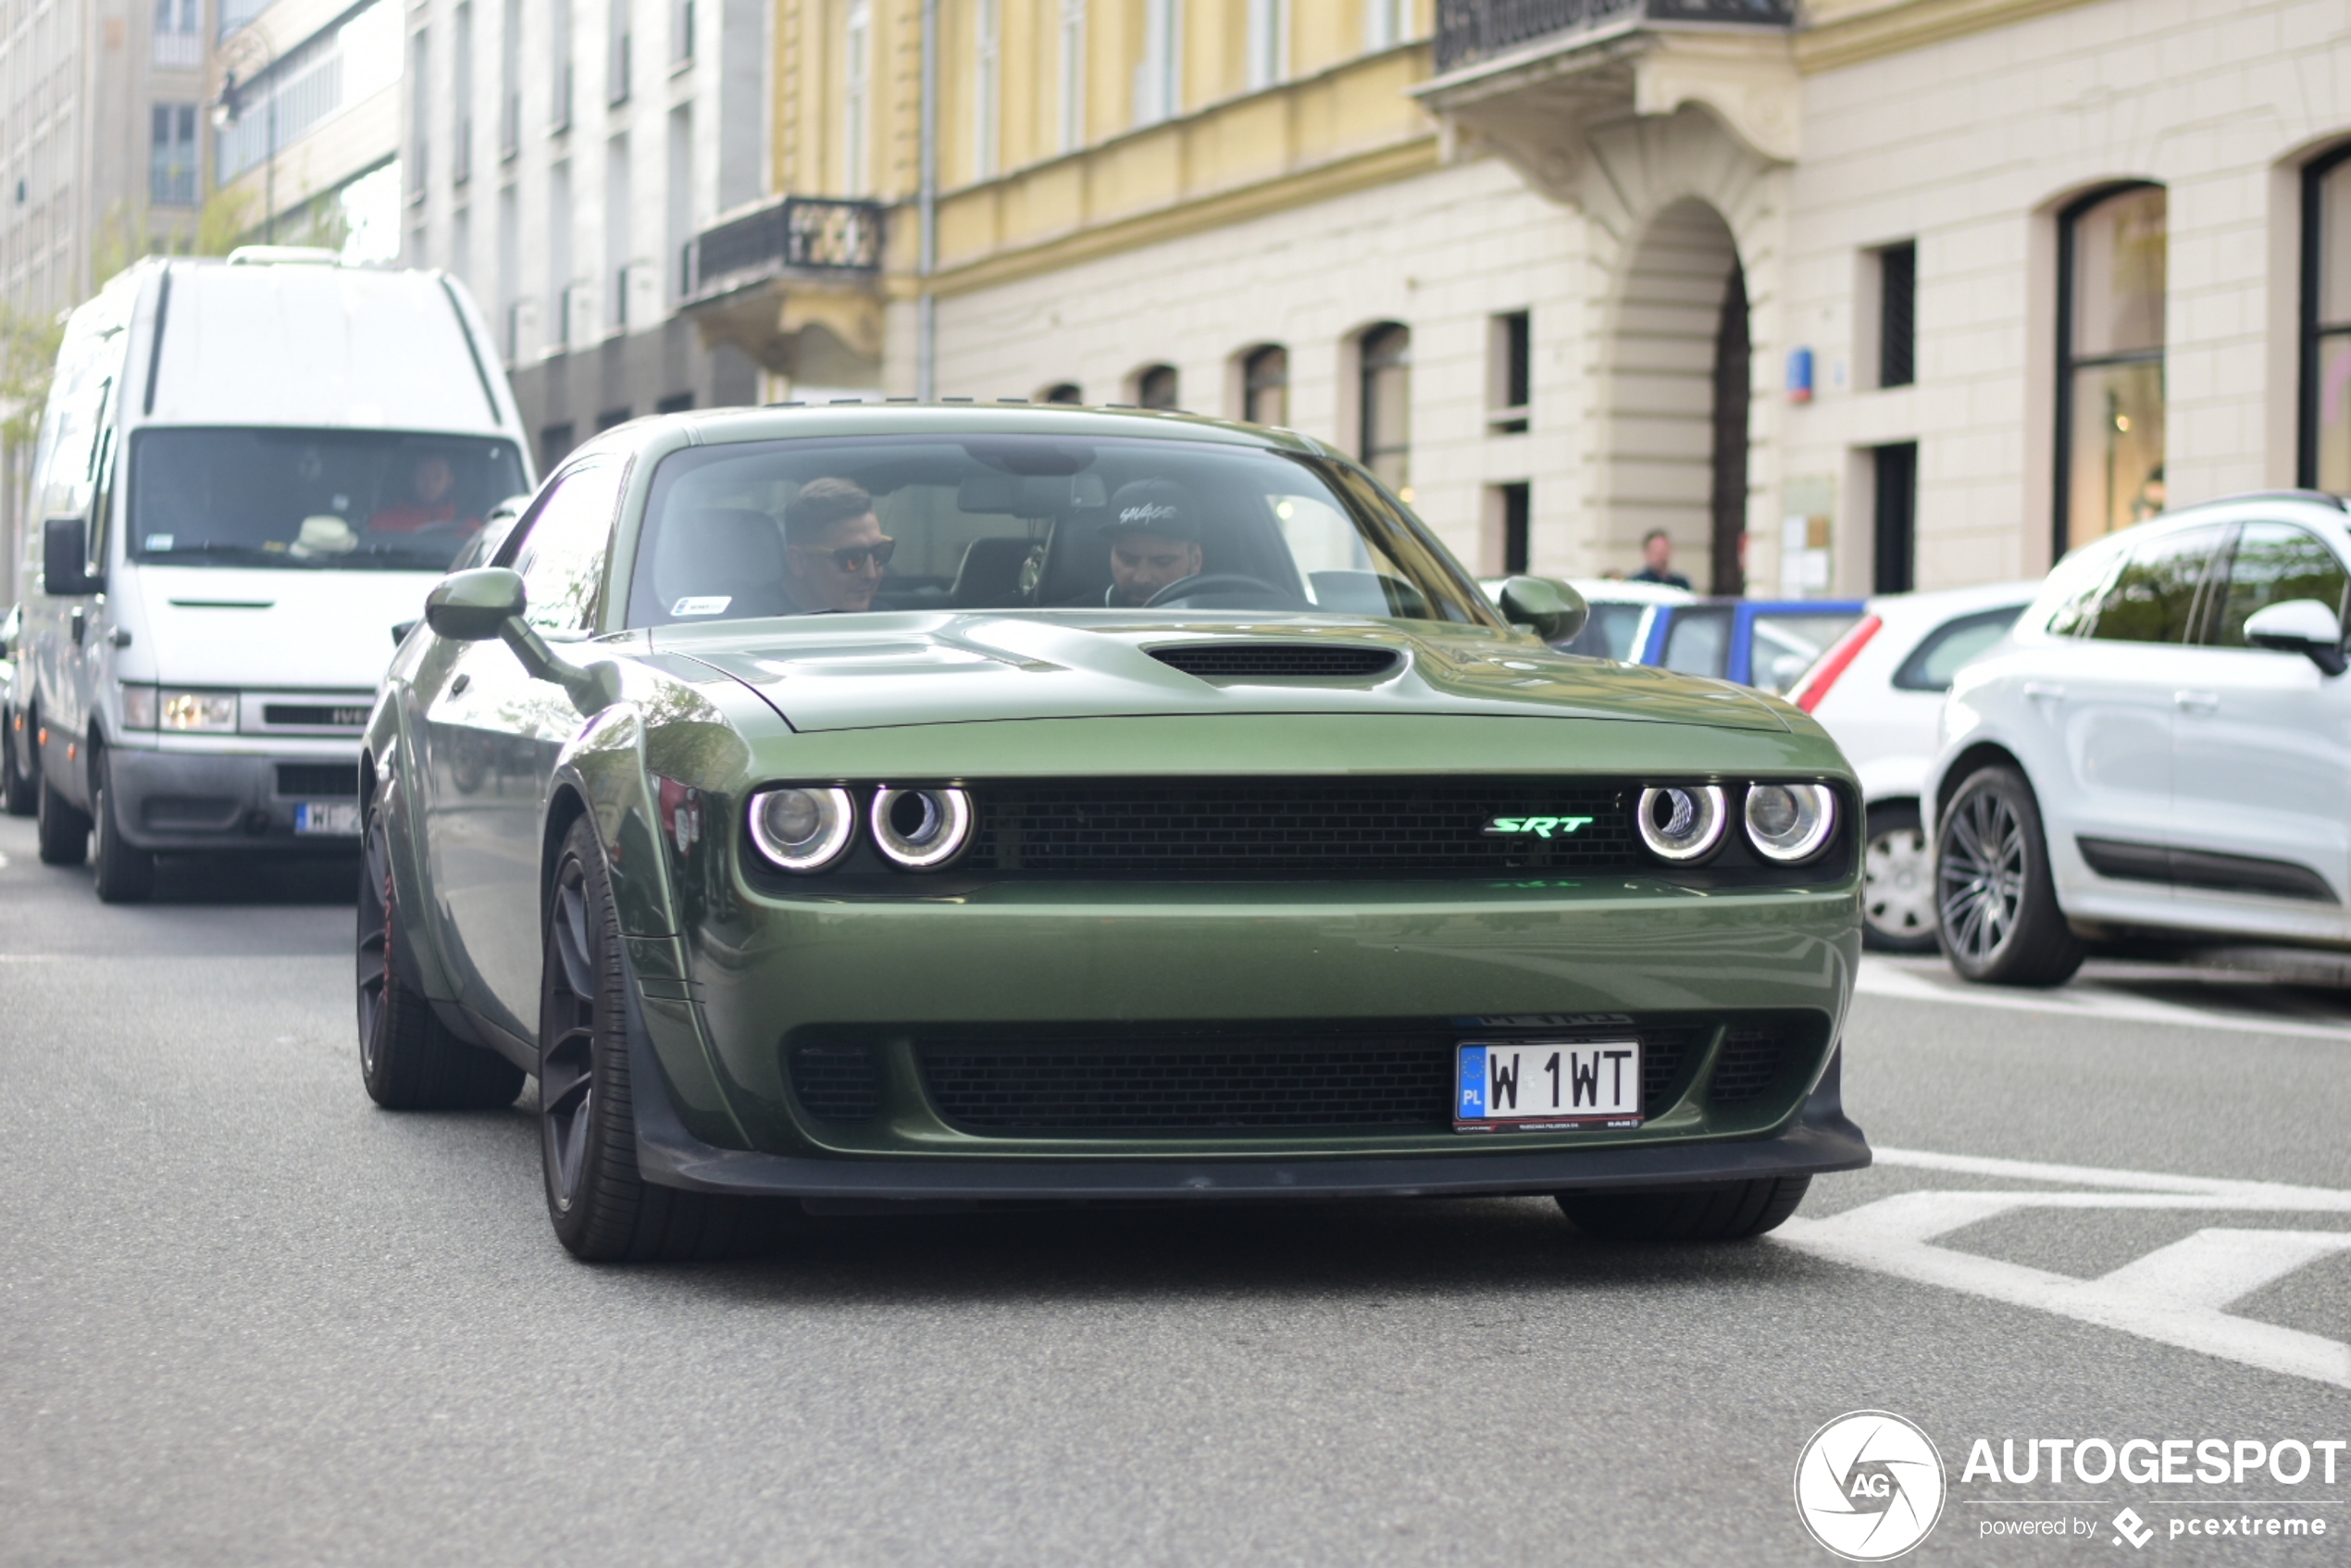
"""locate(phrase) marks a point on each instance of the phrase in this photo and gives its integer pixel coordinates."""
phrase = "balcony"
(758, 280)
(1469, 32)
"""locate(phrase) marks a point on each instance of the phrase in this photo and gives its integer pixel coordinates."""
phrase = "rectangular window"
(1386, 23)
(1897, 487)
(510, 81)
(510, 269)
(2111, 268)
(1073, 75)
(461, 94)
(555, 443)
(419, 113)
(1897, 315)
(559, 66)
(681, 32)
(1268, 42)
(679, 228)
(617, 196)
(558, 331)
(856, 95)
(986, 89)
(172, 174)
(1509, 371)
(610, 417)
(2325, 445)
(676, 402)
(1516, 511)
(178, 35)
(1159, 73)
(616, 57)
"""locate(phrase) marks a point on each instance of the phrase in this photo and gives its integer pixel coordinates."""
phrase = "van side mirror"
(64, 558)
(1548, 608)
(474, 606)
(2300, 625)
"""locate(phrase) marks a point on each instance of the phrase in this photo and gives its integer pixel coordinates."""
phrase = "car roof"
(948, 416)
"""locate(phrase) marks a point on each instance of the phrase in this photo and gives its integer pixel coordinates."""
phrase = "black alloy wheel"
(1995, 899)
(1898, 881)
(123, 872)
(1722, 1210)
(17, 784)
(603, 1209)
(408, 1059)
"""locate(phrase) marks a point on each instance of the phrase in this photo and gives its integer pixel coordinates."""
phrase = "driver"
(1154, 541)
(835, 552)
(430, 480)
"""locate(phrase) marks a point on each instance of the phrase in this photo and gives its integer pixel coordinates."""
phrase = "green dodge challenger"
(888, 805)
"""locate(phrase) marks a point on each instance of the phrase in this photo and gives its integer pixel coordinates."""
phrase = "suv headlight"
(1682, 822)
(197, 710)
(1790, 822)
(803, 829)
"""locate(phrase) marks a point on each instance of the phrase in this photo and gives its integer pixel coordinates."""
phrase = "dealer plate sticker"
(1529, 1084)
(327, 817)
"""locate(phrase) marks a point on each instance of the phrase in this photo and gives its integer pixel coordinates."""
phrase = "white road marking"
(2172, 1295)
(1876, 976)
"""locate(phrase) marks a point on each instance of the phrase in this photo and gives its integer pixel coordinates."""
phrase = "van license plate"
(328, 817)
(1528, 1083)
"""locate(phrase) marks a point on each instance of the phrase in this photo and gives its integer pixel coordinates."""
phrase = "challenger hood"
(213, 625)
(880, 671)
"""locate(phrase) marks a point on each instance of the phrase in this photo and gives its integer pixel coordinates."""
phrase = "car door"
(2109, 694)
(2262, 751)
(493, 735)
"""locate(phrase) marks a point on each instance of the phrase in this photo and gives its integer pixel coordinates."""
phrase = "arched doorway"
(1678, 399)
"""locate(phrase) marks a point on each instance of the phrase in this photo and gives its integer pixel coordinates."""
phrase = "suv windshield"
(313, 499)
(1029, 522)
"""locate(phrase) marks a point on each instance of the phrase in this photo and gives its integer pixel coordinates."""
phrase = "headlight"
(199, 710)
(1682, 822)
(921, 830)
(802, 830)
(138, 707)
(1790, 822)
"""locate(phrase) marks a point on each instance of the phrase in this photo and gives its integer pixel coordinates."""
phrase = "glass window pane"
(1931, 666)
(1786, 645)
(1698, 642)
(2334, 246)
(2116, 452)
(562, 558)
(2118, 260)
(2153, 598)
(2274, 563)
(2332, 395)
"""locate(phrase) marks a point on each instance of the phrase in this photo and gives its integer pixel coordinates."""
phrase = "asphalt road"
(247, 1319)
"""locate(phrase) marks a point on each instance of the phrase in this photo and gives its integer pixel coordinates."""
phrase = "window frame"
(2069, 364)
(2312, 333)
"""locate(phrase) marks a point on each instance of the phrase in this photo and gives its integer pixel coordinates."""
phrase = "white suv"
(2162, 749)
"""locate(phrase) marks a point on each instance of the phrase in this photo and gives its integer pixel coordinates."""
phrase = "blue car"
(1766, 644)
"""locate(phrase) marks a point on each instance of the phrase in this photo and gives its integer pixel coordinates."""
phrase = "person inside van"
(835, 552)
(430, 501)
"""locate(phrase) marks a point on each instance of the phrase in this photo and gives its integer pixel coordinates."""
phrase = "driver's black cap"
(1160, 506)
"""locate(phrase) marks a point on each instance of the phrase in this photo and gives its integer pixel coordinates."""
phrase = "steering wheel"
(1217, 582)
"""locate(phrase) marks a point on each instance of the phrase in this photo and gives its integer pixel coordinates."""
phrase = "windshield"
(313, 499)
(1028, 522)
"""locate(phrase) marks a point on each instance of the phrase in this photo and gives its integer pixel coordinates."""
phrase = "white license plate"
(1541, 1083)
(327, 817)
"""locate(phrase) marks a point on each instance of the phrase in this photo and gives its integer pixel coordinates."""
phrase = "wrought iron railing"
(797, 234)
(1470, 31)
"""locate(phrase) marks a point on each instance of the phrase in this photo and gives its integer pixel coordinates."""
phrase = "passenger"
(835, 553)
(1154, 541)
(430, 502)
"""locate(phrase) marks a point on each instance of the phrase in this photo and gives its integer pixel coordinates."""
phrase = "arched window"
(1061, 392)
(1266, 385)
(2110, 296)
(1155, 387)
(1386, 396)
(2325, 456)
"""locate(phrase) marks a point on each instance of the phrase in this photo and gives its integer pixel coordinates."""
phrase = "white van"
(249, 474)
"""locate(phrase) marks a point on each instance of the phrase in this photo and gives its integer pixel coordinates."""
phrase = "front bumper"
(181, 799)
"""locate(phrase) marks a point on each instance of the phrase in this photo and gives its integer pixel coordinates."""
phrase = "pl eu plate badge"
(1528, 1083)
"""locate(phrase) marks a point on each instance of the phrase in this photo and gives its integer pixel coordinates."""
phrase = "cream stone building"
(1870, 294)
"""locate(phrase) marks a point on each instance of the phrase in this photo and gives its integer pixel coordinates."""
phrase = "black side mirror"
(64, 558)
(474, 606)
(1548, 608)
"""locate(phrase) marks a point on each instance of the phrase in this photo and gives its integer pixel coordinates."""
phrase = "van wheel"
(64, 829)
(1897, 882)
(1995, 899)
(1721, 1210)
(408, 1058)
(16, 783)
(124, 874)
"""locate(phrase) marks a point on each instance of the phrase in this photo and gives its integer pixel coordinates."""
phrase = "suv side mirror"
(474, 606)
(1548, 608)
(2300, 625)
(64, 558)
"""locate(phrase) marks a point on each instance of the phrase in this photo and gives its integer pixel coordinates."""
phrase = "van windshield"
(313, 500)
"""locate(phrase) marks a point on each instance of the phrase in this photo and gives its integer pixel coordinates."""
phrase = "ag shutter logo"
(1542, 826)
(1869, 1486)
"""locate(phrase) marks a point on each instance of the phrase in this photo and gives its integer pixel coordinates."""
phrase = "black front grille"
(1242, 661)
(836, 1083)
(1279, 827)
(1749, 1061)
(319, 780)
(1227, 1080)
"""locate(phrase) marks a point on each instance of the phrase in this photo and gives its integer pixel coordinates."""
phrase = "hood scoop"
(1278, 661)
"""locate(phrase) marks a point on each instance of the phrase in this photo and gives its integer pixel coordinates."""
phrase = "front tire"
(1722, 1211)
(124, 874)
(1897, 882)
(601, 1207)
(20, 790)
(1995, 899)
(63, 828)
(408, 1059)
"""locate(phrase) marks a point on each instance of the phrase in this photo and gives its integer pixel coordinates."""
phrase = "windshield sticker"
(713, 604)
(159, 541)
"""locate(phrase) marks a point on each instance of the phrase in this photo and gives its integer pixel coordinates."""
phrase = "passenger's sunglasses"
(852, 557)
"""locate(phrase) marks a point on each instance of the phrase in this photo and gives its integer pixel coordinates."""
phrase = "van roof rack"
(284, 256)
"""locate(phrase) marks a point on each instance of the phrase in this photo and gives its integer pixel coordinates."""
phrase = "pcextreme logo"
(1542, 826)
(1869, 1486)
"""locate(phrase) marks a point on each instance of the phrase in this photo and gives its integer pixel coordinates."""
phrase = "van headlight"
(921, 830)
(1790, 822)
(1682, 822)
(197, 710)
(800, 827)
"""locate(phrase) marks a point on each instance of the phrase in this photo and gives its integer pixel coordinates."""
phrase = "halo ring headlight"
(1682, 822)
(921, 829)
(803, 828)
(1790, 822)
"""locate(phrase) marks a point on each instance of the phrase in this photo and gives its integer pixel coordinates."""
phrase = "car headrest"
(989, 576)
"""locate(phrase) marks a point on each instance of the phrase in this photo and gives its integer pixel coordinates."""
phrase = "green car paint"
(484, 767)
